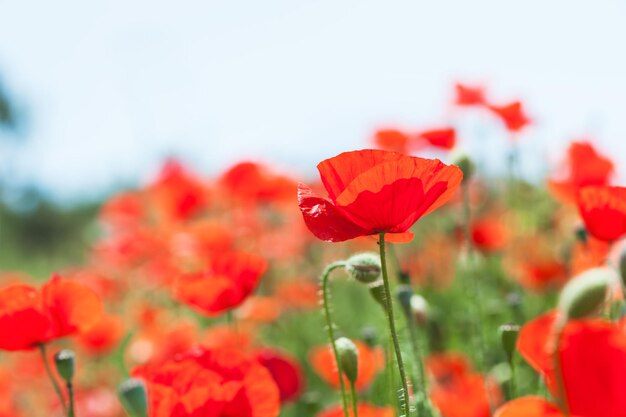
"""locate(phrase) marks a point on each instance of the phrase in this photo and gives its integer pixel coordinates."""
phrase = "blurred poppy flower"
(489, 234)
(592, 355)
(103, 336)
(371, 361)
(285, 371)
(260, 309)
(444, 138)
(177, 194)
(229, 278)
(541, 274)
(584, 166)
(392, 140)
(252, 182)
(363, 410)
(457, 391)
(530, 406)
(512, 115)
(29, 317)
(589, 254)
(226, 337)
(469, 95)
(210, 382)
(298, 293)
(124, 210)
(161, 340)
(603, 209)
(375, 191)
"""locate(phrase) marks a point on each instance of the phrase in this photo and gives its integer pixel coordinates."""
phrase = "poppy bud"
(508, 338)
(419, 308)
(132, 395)
(349, 358)
(404, 294)
(64, 361)
(465, 163)
(364, 267)
(584, 294)
(377, 289)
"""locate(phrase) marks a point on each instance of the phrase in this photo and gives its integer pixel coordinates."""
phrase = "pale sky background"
(113, 86)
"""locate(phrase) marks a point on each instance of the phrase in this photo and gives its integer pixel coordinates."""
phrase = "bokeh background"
(95, 95)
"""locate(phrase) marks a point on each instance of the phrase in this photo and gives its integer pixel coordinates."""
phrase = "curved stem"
(55, 385)
(330, 328)
(392, 326)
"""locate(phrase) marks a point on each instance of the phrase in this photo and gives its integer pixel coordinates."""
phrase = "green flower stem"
(392, 327)
(70, 395)
(354, 399)
(513, 377)
(330, 327)
(55, 385)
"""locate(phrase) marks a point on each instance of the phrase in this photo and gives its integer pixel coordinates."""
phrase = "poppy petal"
(604, 211)
(531, 406)
(339, 171)
(326, 221)
(593, 362)
(535, 344)
(22, 322)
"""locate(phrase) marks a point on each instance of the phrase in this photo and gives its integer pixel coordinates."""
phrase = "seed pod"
(508, 338)
(364, 267)
(132, 395)
(349, 358)
(584, 294)
(64, 361)
(377, 289)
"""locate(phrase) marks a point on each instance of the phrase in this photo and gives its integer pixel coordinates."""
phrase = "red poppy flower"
(457, 391)
(253, 182)
(584, 166)
(469, 95)
(285, 371)
(535, 344)
(542, 274)
(392, 140)
(444, 138)
(103, 336)
(592, 356)
(603, 209)
(371, 361)
(489, 234)
(177, 194)
(512, 115)
(363, 410)
(225, 284)
(29, 317)
(210, 383)
(375, 191)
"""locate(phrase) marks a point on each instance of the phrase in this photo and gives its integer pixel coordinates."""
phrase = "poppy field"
(403, 280)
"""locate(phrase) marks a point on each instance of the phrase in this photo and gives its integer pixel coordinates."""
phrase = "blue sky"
(113, 86)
